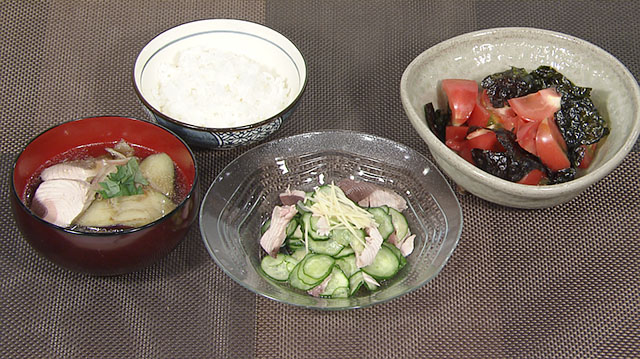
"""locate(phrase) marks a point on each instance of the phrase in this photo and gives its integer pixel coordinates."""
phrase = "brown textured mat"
(560, 282)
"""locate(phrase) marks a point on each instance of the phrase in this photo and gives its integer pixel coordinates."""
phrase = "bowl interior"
(252, 40)
(242, 197)
(476, 55)
(100, 131)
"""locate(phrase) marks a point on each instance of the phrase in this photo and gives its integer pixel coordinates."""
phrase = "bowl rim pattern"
(258, 124)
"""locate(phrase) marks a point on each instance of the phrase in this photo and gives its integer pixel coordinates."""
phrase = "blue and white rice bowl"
(248, 40)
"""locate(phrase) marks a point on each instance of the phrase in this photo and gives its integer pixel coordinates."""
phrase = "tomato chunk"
(455, 139)
(537, 106)
(589, 154)
(532, 178)
(505, 117)
(456, 133)
(465, 152)
(526, 135)
(550, 146)
(484, 139)
(480, 115)
(455, 136)
(461, 95)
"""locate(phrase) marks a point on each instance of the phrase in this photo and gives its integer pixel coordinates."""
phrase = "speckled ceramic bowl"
(254, 41)
(478, 54)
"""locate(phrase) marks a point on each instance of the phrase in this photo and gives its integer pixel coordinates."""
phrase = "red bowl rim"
(189, 195)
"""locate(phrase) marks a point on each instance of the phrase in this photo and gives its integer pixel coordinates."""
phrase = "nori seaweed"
(437, 121)
(513, 164)
(578, 118)
(578, 121)
(515, 82)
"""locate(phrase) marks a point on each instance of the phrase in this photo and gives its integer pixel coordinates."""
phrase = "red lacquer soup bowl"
(103, 253)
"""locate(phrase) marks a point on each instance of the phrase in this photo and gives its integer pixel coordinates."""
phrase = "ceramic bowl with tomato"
(440, 76)
(110, 252)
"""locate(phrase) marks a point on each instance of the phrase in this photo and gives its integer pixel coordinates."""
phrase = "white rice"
(213, 88)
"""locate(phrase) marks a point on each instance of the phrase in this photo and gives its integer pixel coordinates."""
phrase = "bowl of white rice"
(220, 83)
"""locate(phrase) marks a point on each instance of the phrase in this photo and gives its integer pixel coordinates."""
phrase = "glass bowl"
(243, 195)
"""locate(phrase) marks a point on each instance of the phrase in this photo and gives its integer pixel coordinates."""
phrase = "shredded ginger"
(339, 211)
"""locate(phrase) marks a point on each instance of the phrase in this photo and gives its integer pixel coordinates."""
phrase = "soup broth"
(94, 152)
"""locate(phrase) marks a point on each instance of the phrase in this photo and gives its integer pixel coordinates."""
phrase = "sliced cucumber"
(338, 280)
(344, 252)
(265, 226)
(341, 292)
(402, 261)
(385, 265)
(294, 244)
(291, 227)
(355, 282)
(315, 268)
(299, 254)
(307, 220)
(399, 223)
(303, 207)
(328, 247)
(314, 229)
(341, 235)
(277, 268)
(291, 262)
(297, 233)
(294, 279)
(357, 243)
(383, 219)
(345, 237)
(370, 282)
(347, 265)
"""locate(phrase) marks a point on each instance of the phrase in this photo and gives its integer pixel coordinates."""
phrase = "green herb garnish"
(127, 181)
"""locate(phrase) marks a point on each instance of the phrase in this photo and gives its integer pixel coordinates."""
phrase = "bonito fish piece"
(405, 245)
(272, 239)
(369, 195)
(60, 201)
(77, 170)
(373, 242)
(317, 290)
(292, 197)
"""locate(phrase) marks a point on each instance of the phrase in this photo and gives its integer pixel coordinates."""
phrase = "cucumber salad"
(337, 239)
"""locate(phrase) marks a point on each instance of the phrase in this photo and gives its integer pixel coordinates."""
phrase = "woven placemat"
(558, 282)
(68, 59)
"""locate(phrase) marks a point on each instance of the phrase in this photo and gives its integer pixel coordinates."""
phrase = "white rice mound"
(212, 88)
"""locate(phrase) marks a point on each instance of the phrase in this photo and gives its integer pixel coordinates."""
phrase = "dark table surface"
(557, 282)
